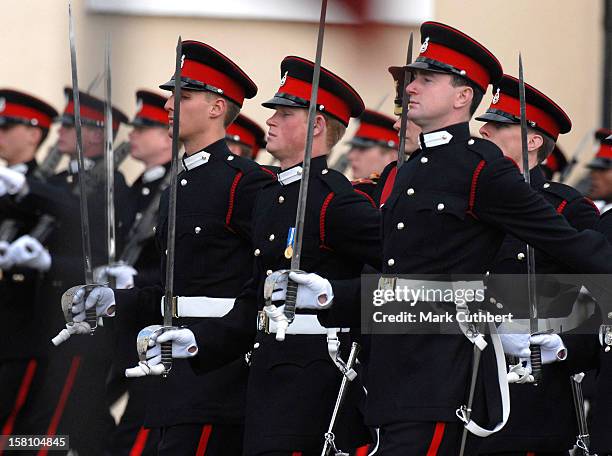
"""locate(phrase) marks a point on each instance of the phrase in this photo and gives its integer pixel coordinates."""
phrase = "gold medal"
(289, 252)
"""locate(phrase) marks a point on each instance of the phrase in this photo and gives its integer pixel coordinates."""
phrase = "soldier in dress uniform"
(532, 427)
(216, 192)
(293, 384)
(151, 145)
(75, 382)
(460, 196)
(25, 121)
(601, 172)
(245, 138)
(373, 146)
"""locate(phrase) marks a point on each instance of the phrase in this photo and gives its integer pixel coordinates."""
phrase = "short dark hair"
(231, 112)
(44, 132)
(458, 81)
(334, 132)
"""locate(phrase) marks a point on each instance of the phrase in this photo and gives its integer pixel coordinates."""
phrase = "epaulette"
(335, 180)
(245, 165)
(485, 149)
(565, 192)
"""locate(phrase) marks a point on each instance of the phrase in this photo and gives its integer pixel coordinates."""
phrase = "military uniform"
(293, 384)
(215, 196)
(75, 383)
(603, 162)
(23, 353)
(464, 195)
(142, 253)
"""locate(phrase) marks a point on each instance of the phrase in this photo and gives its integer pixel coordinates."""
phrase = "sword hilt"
(536, 363)
(291, 299)
(166, 356)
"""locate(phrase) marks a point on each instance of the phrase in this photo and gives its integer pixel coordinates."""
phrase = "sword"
(329, 435)
(583, 439)
(109, 162)
(169, 298)
(303, 195)
(401, 152)
(536, 356)
(584, 142)
(85, 240)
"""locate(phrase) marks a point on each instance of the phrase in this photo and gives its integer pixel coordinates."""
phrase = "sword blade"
(303, 195)
(536, 358)
(109, 159)
(401, 152)
(85, 234)
(166, 347)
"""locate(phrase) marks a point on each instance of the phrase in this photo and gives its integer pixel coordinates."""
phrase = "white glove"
(551, 347)
(102, 298)
(314, 292)
(516, 344)
(29, 252)
(183, 346)
(13, 181)
(6, 261)
(123, 275)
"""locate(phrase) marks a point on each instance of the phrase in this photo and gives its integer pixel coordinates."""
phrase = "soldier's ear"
(320, 124)
(35, 135)
(218, 108)
(463, 97)
(534, 141)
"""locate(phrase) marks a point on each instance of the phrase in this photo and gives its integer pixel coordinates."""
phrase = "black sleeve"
(354, 231)
(244, 200)
(139, 307)
(503, 199)
(581, 214)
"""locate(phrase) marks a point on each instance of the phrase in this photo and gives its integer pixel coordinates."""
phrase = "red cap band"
(605, 151)
(90, 114)
(473, 70)
(543, 120)
(331, 103)
(153, 113)
(208, 75)
(244, 136)
(25, 112)
(376, 133)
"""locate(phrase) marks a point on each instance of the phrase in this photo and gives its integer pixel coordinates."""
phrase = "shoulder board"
(565, 192)
(334, 180)
(246, 165)
(485, 149)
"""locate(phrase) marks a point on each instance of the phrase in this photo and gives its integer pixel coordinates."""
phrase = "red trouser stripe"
(296, 453)
(362, 451)
(22, 395)
(61, 404)
(204, 437)
(436, 441)
(531, 453)
(140, 442)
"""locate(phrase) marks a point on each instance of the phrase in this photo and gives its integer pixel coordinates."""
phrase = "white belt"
(302, 324)
(200, 306)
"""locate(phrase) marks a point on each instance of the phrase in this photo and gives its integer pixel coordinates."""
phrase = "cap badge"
(284, 79)
(182, 60)
(495, 97)
(424, 45)
(139, 105)
(2, 104)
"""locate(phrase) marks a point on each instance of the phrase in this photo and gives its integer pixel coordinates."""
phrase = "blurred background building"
(564, 44)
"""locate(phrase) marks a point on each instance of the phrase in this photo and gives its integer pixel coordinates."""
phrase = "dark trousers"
(529, 453)
(201, 440)
(421, 439)
(130, 438)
